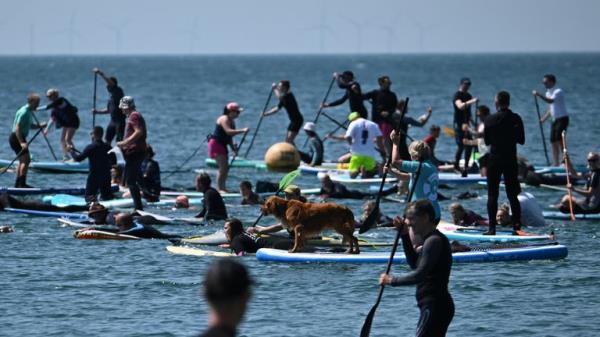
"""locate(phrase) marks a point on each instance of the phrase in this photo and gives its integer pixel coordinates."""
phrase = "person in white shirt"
(366, 142)
(555, 97)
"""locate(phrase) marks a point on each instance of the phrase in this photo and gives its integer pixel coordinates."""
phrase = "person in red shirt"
(431, 141)
(133, 147)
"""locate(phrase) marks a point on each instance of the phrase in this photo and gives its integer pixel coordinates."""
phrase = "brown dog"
(307, 219)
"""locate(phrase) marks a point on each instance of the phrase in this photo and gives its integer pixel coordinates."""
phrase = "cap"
(310, 126)
(353, 115)
(233, 106)
(127, 102)
(182, 201)
(465, 80)
(292, 189)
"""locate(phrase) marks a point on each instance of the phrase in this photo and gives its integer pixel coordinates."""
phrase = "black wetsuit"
(116, 126)
(382, 100)
(339, 191)
(503, 131)
(213, 206)
(246, 243)
(355, 99)
(288, 101)
(143, 232)
(314, 156)
(64, 113)
(461, 117)
(402, 125)
(431, 272)
(151, 184)
(252, 199)
(219, 331)
(100, 164)
(7, 201)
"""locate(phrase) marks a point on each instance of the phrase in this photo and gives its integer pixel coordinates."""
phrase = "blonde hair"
(420, 150)
(52, 92)
(456, 207)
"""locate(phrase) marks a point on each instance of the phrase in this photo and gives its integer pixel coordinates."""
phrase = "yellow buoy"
(282, 157)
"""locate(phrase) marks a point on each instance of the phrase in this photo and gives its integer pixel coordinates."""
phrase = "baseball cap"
(310, 126)
(292, 189)
(465, 80)
(353, 115)
(127, 102)
(233, 106)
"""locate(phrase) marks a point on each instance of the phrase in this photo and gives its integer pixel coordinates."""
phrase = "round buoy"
(282, 157)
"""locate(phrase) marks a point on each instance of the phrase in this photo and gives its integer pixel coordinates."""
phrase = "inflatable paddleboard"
(94, 234)
(194, 194)
(477, 235)
(324, 167)
(51, 190)
(547, 252)
(66, 215)
(238, 162)
(182, 250)
(63, 200)
(345, 179)
(555, 215)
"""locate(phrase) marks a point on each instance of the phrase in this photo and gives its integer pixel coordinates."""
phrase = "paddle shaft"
(537, 109)
(321, 106)
(262, 115)
(94, 100)
(186, 160)
(564, 144)
(238, 149)
(21, 152)
(46, 138)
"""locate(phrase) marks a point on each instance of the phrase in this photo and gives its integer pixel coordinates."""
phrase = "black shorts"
(558, 126)
(295, 124)
(16, 145)
(483, 160)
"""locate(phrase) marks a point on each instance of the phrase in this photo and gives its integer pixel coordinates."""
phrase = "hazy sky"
(304, 26)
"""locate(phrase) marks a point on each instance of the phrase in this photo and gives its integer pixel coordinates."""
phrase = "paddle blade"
(366, 328)
(448, 131)
(287, 179)
(370, 221)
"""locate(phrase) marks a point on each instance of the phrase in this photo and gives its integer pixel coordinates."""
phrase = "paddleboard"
(94, 234)
(63, 200)
(182, 250)
(54, 166)
(71, 223)
(477, 235)
(547, 252)
(67, 215)
(345, 179)
(238, 162)
(555, 215)
(195, 194)
(324, 167)
(50, 190)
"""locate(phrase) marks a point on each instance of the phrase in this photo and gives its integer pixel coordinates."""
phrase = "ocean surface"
(54, 285)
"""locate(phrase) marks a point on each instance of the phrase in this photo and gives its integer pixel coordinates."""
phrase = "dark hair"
(225, 110)
(236, 226)
(484, 109)
(98, 131)
(310, 133)
(348, 75)
(285, 83)
(114, 80)
(204, 179)
(503, 98)
(246, 184)
(149, 151)
(383, 78)
(550, 77)
(421, 207)
(434, 127)
(225, 280)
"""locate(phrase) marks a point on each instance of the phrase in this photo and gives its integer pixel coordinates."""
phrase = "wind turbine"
(422, 31)
(359, 30)
(71, 31)
(194, 35)
(31, 39)
(118, 30)
(390, 31)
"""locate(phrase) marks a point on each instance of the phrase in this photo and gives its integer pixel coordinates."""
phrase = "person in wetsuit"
(287, 100)
(227, 289)
(7, 201)
(151, 185)
(382, 219)
(101, 215)
(353, 94)
(335, 190)
(404, 123)
(249, 197)
(465, 217)
(383, 105)
(314, 156)
(126, 225)
(213, 206)
(431, 269)
(462, 102)
(240, 241)
(483, 112)
(502, 132)
(221, 138)
(590, 204)
(116, 126)
(64, 115)
(100, 162)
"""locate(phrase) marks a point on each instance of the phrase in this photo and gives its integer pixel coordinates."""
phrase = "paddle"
(262, 115)
(46, 138)
(187, 159)
(537, 109)
(366, 329)
(371, 220)
(448, 131)
(94, 101)
(283, 183)
(567, 164)
(5, 169)
(321, 106)
(238, 149)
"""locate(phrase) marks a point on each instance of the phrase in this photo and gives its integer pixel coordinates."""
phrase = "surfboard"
(94, 234)
(238, 162)
(195, 194)
(49, 190)
(183, 250)
(62, 200)
(546, 252)
(555, 215)
(67, 215)
(71, 223)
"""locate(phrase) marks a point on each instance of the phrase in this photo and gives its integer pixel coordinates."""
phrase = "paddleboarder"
(431, 269)
(116, 126)
(151, 184)
(353, 94)
(403, 122)
(383, 105)
(133, 147)
(557, 109)
(239, 241)
(18, 137)
(465, 217)
(63, 115)
(213, 206)
(221, 138)
(335, 190)
(100, 162)
(314, 156)
(483, 112)
(590, 204)
(462, 102)
(502, 132)
(249, 197)
(287, 100)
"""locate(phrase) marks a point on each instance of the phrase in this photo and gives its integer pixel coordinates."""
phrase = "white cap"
(127, 102)
(310, 126)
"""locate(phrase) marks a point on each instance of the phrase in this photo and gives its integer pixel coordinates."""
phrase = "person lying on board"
(465, 217)
(213, 206)
(531, 212)
(590, 204)
(335, 190)
(292, 192)
(126, 225)
(529, 176)
(100, 215)
(240, 241)
(8, 201)
(382, 219)
(6, 229)
(249, 197)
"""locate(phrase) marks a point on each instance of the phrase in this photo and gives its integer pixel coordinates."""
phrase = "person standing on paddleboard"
(101, 163)
(18, 137)
(431, 269)
(287, 100)
(402, 124)
(64, 115)
(353, 94)
(502, 132)
(384, 102)
(555, 98)
(133, 147)
(116, 126)
(221, 138)
(462, 102)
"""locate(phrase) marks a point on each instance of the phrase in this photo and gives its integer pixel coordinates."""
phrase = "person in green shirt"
(18, 137)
